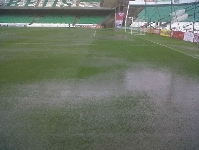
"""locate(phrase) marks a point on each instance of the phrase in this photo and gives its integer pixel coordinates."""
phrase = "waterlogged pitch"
(85, 89)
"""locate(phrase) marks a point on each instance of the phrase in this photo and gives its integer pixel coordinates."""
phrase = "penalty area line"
(170, 48)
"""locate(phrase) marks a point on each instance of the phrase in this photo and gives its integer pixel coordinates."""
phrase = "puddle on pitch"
(174, 98)
(161, 85)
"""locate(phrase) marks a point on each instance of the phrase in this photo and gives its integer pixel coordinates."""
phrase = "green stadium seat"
(162, 13)
(90, 19)
(56, 19)
(16, 19)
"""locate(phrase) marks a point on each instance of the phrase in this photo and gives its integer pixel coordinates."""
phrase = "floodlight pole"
(131, 25)
(194, 17)
(115, 18)
(127, 12)
(171, 13)
(145, 13)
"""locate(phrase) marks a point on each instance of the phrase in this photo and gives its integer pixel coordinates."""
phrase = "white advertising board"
(188, 36)
(160, 2)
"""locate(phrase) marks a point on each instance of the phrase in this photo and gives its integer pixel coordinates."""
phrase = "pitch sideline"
(170, 48)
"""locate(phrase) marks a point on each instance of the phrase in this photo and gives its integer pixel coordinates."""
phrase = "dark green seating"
(56, 19)
(16, 19)
(90, 19)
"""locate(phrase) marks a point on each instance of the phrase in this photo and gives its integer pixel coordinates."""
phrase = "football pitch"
(104, 89)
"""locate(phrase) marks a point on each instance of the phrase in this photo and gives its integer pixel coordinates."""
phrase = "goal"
(133, 25)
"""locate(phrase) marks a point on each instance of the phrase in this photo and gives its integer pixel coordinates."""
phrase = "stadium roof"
(160, 2)
(63, 10)
(58, 8)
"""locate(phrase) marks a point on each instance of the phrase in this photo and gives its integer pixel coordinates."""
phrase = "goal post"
(133, 25)
(136, 27)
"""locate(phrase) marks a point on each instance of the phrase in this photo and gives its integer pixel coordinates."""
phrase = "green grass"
(68, 89)
(55, 53)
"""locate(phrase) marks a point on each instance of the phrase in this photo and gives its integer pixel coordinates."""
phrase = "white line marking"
(79, 44)
(94, 33)
(170, 48)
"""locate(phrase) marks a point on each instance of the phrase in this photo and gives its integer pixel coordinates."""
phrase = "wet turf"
(68, 89)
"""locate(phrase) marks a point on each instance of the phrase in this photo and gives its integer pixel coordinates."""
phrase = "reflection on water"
(175, 102)
(153, 83)
(163, 85)
(174, 99)
(160, 85)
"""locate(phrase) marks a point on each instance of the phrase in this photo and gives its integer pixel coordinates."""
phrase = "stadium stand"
(90, 19)
(16, 19)
(43, 20)
(183, 17)
(19, 3)
(52, 3)
(55, 19)
(45, 13)
(108, 3)
(1, 3)
(38, 3)
(167, 13)
(151, 14)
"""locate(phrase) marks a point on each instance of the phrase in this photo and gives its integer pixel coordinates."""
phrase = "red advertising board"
(156, 31)
(177, 34)
(119, 17)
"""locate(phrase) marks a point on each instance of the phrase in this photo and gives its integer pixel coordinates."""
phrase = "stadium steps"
(37, 4)
(36, 18)
(110, 24)
(109, 21)
(76, 20)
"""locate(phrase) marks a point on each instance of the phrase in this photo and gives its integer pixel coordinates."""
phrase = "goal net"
(133, 25)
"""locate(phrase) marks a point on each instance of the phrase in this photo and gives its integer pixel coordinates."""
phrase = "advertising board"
(177, 35)
(164, 32)
(119, 17)
(196, 38)
(160, 2)
(156, 31)
(188, 36)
